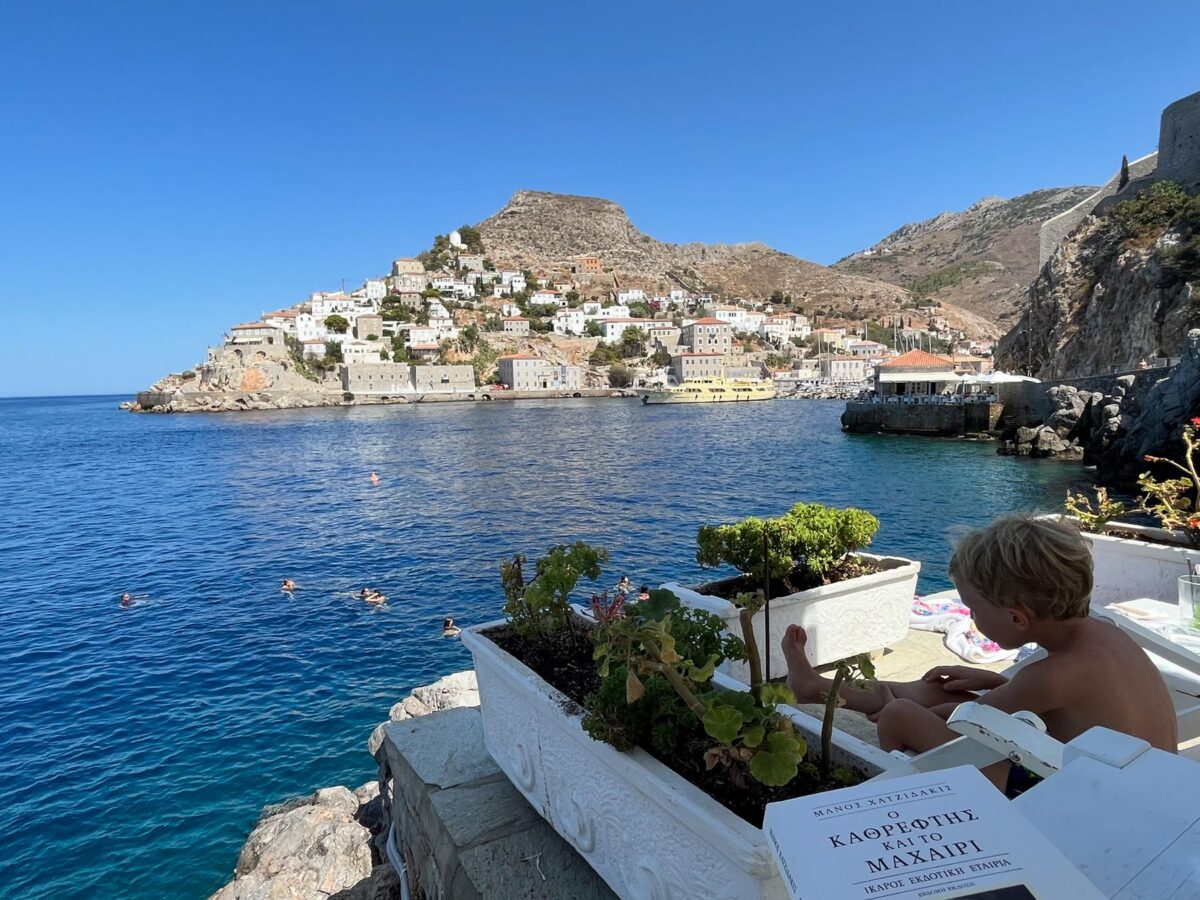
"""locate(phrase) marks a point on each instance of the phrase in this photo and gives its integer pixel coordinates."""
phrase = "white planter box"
(844, 619)
(1125, 568)
(644, 829)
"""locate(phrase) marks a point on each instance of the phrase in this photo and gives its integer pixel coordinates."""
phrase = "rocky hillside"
(981, 259)
(543, 230)
(1120, 288)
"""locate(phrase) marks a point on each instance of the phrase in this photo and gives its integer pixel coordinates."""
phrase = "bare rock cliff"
(1120, 288)
(981, 259)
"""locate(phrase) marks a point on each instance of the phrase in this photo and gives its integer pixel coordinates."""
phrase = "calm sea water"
(138, 745)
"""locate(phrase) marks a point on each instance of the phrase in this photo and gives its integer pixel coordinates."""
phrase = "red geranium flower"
(1196, 421)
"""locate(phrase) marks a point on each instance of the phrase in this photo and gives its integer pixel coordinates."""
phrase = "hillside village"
(452, 320)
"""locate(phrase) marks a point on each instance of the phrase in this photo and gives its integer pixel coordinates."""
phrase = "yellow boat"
(712, 390)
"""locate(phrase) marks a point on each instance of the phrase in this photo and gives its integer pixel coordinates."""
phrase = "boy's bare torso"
(1102, 678)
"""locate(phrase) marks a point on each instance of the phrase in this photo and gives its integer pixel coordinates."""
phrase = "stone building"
(380, 379)
(408, 266)
(693, 366)
(368, 324)
(708, 335)
(443, 379)
(516, 325)
(523, 372)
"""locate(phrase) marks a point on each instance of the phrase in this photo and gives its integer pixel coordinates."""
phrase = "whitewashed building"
(612, 330)
(375, 289)
(516, 325)
(523, 372)
(630, 296)
(569, 321)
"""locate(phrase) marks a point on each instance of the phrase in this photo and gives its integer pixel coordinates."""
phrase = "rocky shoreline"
(333, 842)
(1114, 429)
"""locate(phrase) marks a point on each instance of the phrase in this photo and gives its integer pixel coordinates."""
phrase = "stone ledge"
(463, 829)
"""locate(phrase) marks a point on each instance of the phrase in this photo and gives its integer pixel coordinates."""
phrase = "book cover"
(938, 834)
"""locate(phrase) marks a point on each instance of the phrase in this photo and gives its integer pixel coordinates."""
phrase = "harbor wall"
(921, 418)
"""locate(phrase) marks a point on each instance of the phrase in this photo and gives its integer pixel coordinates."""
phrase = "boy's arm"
(1036, 688)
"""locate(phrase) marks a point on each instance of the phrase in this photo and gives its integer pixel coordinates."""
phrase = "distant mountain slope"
(536, 229)
(981, 259)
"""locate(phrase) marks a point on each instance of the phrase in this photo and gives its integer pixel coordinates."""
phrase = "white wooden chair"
(1126, 815)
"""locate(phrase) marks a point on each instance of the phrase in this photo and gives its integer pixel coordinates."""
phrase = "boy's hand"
(964, 678)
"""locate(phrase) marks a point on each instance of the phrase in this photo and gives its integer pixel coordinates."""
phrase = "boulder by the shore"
(332, 843)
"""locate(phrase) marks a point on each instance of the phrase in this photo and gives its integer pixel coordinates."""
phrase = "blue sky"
(170, 169)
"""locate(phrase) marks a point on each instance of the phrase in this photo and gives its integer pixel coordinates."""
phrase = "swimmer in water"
(287, 586)
(374, 478)
(128, 601)
(375, 598)
(449, 629)
(625, 585)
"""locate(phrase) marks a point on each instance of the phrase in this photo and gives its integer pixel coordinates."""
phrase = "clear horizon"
(179, 172)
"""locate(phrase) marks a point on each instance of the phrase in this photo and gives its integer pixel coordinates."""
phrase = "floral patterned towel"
(954, 620)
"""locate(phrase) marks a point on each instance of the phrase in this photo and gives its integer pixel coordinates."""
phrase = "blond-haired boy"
(1025, 580)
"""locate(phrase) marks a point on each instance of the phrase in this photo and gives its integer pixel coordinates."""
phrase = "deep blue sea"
(138, 745)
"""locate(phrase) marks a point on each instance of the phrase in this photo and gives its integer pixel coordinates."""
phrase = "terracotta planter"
(644, 829)
(855, 616)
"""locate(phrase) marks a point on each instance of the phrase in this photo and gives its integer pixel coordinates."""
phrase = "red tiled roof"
(249, 325)
(422, 346)
(519, 356)
(918, 359)
(710, 321)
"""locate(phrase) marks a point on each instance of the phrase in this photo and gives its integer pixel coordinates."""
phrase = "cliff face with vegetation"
(1120, 288)
(542, 230)
(981, 259)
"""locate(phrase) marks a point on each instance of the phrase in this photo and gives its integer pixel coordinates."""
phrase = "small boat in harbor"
(711, 390)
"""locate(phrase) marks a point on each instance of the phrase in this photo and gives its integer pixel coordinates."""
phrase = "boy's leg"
(906, 725)
(809, 687)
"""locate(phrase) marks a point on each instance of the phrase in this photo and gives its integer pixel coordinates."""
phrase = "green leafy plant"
(1173, 500)
(1091, 518)
(810, 538)
(543, 605)
(858, 671)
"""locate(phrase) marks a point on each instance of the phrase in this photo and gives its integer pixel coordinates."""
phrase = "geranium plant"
(1173, 500)
(1093, 518)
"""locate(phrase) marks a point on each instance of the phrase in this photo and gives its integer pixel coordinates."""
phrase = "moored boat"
(712, 390)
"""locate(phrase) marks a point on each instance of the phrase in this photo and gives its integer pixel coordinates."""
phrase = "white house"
(866, 349)
(837, 369)
(592, 307)
(324, 305)
(314, 349)
(419, 334)
(631, 295)
(611, 330)
(283, 319)
(444, 283)
(569, 321)
(517, 283)
(307, 328)
(508, 308)
(546, 297)
(507, 275)
(362, 352)
(615, 311)
(375, 289)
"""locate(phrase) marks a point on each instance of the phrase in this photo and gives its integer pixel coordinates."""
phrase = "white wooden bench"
(1123, 813)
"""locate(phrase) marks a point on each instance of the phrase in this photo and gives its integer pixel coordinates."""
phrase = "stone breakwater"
(205, 401)
(333, 842)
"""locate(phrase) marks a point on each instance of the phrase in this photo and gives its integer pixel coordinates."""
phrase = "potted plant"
(808, 565)
(619, 730)
(1132, 560)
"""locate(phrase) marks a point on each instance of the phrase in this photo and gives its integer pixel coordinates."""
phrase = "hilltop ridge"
(542, 230)
(981, 259)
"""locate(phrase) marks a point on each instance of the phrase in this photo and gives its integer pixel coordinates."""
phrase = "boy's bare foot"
(806, 684)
